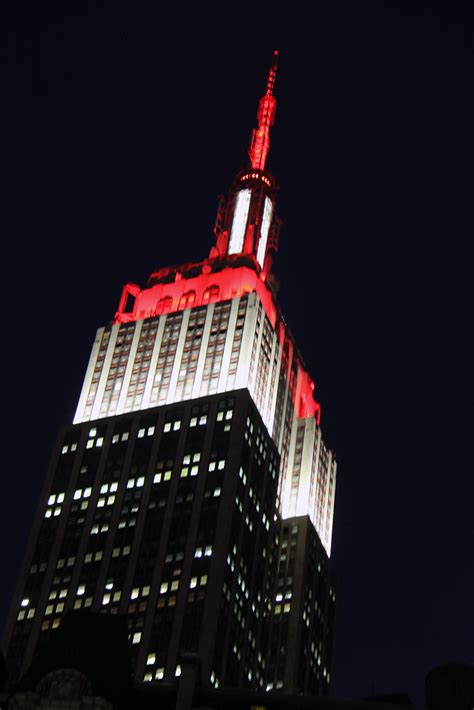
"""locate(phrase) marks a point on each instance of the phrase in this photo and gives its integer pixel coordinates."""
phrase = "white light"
(264, 229)
(25, 602)
(237, 233)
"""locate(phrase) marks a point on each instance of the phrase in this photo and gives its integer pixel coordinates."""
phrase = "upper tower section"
(245, 222)
(246, 233)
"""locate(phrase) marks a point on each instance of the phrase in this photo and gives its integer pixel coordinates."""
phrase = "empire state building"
(193, 493)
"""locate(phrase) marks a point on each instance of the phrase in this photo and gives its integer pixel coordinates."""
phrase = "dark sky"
(120, 125)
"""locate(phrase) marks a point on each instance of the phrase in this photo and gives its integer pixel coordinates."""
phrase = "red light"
(260, 143)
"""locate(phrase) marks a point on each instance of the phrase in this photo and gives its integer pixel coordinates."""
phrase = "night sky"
(120, 125)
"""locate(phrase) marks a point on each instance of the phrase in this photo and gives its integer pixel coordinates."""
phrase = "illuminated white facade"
(206, 350)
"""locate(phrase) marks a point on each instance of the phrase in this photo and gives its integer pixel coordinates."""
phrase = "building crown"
(246, 223)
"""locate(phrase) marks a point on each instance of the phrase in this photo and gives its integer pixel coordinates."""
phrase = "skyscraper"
(194, 492)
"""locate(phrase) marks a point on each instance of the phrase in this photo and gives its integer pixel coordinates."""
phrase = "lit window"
(193, 582)
(60, 498)
(164, 588)
(159, 674)
(140, 482)
(137, 636)
(237, 233)
(264, 229)
(178, 671)
(99, 441)
(135, 593)
(64, 450)
(90, 444)
(92, 432)
(150, 431)
(167, 427)
(176, 425)
(25, 602)
(141, 433)
(81, 590)
(125, 436)
(151, 659)
(51, 500)
(87, 492)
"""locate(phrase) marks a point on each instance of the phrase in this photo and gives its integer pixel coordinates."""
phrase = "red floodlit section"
(260, 143)
(186, 292)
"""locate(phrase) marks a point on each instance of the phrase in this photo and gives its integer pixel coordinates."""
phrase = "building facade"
(194, 493)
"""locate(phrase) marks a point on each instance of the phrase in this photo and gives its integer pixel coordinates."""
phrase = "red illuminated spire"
(260, 143)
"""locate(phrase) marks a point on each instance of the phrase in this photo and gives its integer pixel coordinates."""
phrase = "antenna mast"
(260, 142)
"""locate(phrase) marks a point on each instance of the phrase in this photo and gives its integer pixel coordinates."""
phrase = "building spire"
(260, 142)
